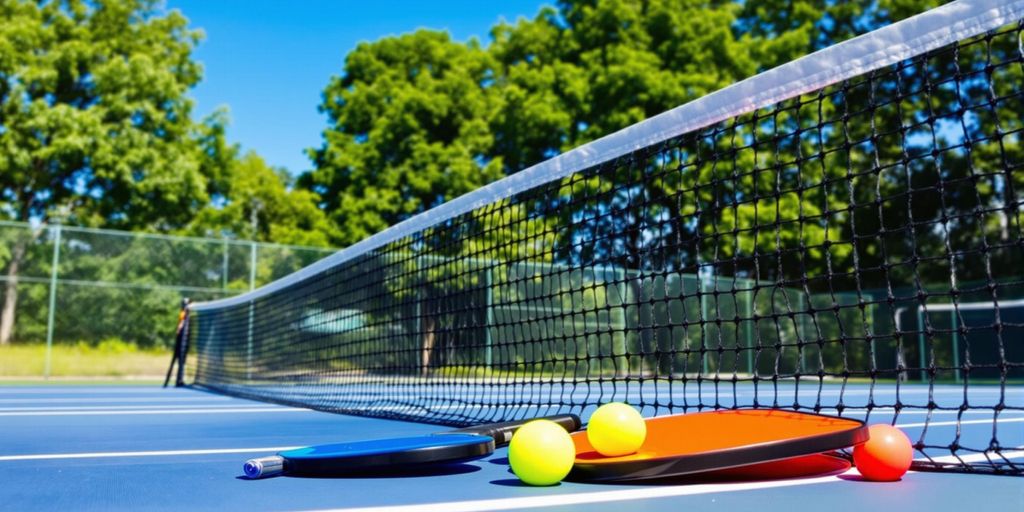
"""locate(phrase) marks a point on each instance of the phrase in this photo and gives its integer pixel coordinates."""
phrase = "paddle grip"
(264, 467)
(502, 432)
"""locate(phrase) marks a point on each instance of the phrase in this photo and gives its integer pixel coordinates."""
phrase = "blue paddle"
(398, 454)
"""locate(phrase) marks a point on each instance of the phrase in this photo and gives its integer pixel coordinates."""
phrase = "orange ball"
(886, 456)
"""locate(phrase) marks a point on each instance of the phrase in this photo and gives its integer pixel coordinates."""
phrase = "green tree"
(261, 203)
(94, 121)
(408, 130)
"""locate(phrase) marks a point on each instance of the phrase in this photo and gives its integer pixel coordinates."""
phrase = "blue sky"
(268, 61)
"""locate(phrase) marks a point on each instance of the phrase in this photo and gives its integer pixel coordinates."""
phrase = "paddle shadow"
(427, 471)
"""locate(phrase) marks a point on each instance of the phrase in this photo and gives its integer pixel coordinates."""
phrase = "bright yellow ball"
(541, 453)
(616, 429)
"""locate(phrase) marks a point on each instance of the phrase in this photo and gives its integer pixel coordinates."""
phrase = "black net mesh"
(854, 251)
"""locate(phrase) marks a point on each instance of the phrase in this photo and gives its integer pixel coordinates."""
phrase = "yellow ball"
(616, 429)
(541, 453)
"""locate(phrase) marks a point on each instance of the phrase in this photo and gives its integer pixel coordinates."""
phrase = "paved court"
(116, 448)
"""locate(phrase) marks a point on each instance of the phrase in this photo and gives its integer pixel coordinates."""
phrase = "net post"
(182, 344)
(53, 299)
(224, 266)
(252, 286)
(252, 265)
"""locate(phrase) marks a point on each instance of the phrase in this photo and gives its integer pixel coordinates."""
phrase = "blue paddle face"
(383, 446)
(387, 454)
(395, 455)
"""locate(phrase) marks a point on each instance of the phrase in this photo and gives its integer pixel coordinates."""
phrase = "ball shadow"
(515, 482)
(860, 478)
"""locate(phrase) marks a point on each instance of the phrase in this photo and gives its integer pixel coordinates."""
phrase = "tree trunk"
(7, 316)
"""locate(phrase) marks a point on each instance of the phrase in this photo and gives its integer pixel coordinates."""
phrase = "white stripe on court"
(977, 457)
(60, 389)
(47, 408)
(584, 498)
(233, 410)
(954, 423)
(114, 400)
(160, 453)
(886, 411)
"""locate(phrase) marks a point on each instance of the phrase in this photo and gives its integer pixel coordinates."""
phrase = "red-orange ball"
(885, 457)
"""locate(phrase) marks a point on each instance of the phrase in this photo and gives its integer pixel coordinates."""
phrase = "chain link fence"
(71, 285)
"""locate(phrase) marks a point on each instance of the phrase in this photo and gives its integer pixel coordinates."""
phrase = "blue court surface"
(117, 448)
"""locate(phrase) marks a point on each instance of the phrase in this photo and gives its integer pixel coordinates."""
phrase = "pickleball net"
(841, 234)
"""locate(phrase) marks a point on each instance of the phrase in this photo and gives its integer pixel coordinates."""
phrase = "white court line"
(890, 410)
(232, 410)
(65, 389)
(977, 457)
(160, 453)
(122, 407)
(623, 495)
(114, 400)
(584, 498)
(954, 423)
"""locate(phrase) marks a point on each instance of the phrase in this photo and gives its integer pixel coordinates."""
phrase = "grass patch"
(109, 359)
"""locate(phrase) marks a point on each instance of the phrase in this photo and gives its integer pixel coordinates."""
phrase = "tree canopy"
(97, 129)
(409, 129)
(95, 117)
(259, 202)
(417, 119)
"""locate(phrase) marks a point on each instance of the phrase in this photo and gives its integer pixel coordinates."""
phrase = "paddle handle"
(502, 432)
(264, 467)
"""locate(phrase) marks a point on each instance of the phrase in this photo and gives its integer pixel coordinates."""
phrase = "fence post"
(252, 266)
(252, 306)
(53, 300)
(224, 267)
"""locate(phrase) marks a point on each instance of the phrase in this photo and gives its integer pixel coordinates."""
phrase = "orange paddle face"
(716, 440)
